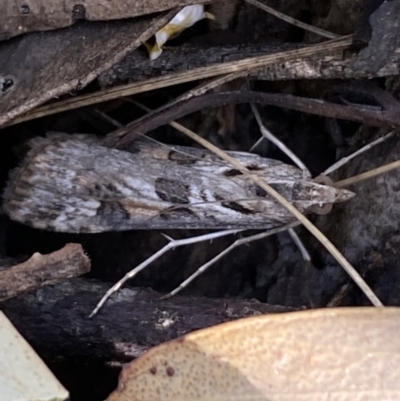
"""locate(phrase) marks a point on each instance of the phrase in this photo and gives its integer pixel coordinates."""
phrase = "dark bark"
(380, 29)
(235, 69)
(55, 319)
(137, 66)
(122, 137)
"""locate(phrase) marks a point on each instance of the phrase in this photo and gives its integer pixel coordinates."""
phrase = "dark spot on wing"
(177, 213)
(232, 173)
(45, 216)
(237, 207)
(260, 192)
(254, 167)
(298, 191)
(78, 12)
(111, 187)
(112, 213)
(105, 191)
(172, 191)
(203, 195)
(133, 148)
(181, 158)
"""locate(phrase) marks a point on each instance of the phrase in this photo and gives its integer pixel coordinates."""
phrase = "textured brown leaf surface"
(42, 15)
(328, 354)
(40, 66)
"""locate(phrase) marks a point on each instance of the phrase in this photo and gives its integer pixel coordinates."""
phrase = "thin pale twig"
(171, 245)
(307, 223)
(237, 243)
(269, 136)
(296, 239)
(328, 245)
(234, 69)
(209, 85)
(106, 117)
(367, 175)
(317, 233)
(293, 21)
(346, 159)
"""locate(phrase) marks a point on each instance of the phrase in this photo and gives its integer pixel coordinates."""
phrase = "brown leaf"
(43, 15)
(327, 354)
(40, 66)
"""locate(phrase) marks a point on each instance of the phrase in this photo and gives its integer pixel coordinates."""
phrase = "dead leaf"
(40, 66)
(23, 375)
(327, 354)
(44, 15)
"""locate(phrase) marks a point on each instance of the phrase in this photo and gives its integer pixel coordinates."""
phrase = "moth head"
(324, 195)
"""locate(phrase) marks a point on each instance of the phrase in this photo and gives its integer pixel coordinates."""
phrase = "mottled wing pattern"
(70, 185)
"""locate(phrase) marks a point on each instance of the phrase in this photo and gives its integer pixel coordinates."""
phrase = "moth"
(75, 185)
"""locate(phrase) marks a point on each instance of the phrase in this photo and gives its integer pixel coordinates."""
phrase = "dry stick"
(314, 230)
(109, 119)
(207, 86)
(292, 21)
(215, 83)
(346, 159)
(235, 69)
(204, 88)
(292, 233)
(171, 245)
(122, 137)
(40, 270)
(237, 243)
(175, 243)
(367, 175)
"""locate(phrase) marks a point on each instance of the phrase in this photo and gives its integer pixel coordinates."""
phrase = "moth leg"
(172, 244)
(237, 243)
(271, 137)
(296, 239)
(346, 159)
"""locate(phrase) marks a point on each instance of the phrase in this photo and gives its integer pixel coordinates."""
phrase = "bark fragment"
(41, 270)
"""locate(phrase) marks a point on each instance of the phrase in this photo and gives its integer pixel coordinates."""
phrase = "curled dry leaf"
(328, 354)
